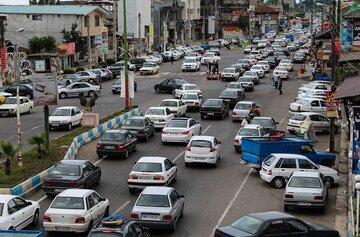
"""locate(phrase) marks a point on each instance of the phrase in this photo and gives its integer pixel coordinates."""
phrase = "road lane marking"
(122, 207)
(207, 128)
(42, 199)
(231, 203)
(97, 162)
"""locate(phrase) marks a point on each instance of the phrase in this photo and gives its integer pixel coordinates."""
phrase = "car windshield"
(191, 88)
(305, 182)
(228, 94)
(153, 200)
(250, 73)
(263, 122)
(190, 97)
(301, 101)
(61, 112)
(228, 70)
(155, 112)
(208, 55)
(134, 122)
(262, 63)
(109, 136)
(190, 60)
(66, 170)
(298, 117)
(169, 103)
(245, 79)
(177, 123)
(248, 224)
(248, 132)
(1, 208)
(233, 85)
(281, 69)
(68, 203)
(147, 167)
(257, 67)
(180, 81)
(269, 160)
(118, 82)
(201, 143)
(10, 101)
(212, 103)
(299, 55)
(243, 106)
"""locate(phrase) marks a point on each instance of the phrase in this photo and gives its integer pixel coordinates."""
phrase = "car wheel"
(126, 154)
(107, 212)
(173, 226)
(329, 182)
(113, 92)
(322, 210)
(100, 156)
(153, 133)
(237, 149)
(202, 116)
(132, 190)
(89, 227)
(157, 90)
(187, 164)
(98, 180)
(278, 182)
(63, 95)
(214, 165)
(286, 207)
(91, 81)
(223, 116)
(135, 147)
(30, 110)
(175, 178)
(183, 70)
(146, 137)
(91, 93)
(69, 126)
(35, 218)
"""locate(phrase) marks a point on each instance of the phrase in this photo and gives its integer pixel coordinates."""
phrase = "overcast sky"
(14, 2)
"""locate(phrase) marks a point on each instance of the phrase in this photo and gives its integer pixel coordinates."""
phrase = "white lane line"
(207, 128)
(42, 199)
(97, 162)
(180, 155)
(122, 207)
(231, 203)
(283, 119)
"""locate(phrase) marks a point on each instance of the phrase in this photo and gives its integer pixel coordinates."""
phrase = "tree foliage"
(42, 44)
(38, 140)
(73, 35)
(44, 2)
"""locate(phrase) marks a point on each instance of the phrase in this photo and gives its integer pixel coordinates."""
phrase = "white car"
(308, 105)
(251, 59)
(259, 70)
(159, 116)
(241, 110)
(176, 106)
(305, 48)
(286, 63)
(190, 64)
(193, 54)
(192, 100)
(256, 54)
(9, 107)
(202, 149)
(153, 59)
(149, 68)
(320, 123)
(176, 56)
(281, 71)
(73, 90)
(250, 130)
(247, 82)
(311, 87)
(65, 117)
(187, 88)
(151, 171)
(254, 76)
(275, 169)
(208, 57)
(248, 49)
(265, 65)
(180, 130)
(75, 210)
(263, 43)
(17, 213)
(229, 74)
(312, 94)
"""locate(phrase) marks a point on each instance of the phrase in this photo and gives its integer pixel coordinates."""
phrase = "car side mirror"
(181, 196)
(219, 142)
(276, 122)
(146, 229)
(29, 203)
(102, 199)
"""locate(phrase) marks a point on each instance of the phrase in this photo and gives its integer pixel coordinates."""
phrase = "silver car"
(254, 76)
(241, 110)
(158, 208)
(320, 123)
(73, 90)
(306, 189)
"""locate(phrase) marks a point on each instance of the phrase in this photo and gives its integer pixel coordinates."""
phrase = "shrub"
(69, 71)
(79, 69)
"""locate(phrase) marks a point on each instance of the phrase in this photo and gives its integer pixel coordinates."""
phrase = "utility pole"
(216, 20)
(115, 29)
(2, 44)
(165, 31)
(126, 72)
(312, 31)
(87, 18)
(139, 30)
(203, 25)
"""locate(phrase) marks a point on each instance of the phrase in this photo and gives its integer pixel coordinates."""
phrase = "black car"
(169, 85)
(116, 143)
(24, 90)
(267, 122)
(71, 174)
(138, 62)
(139, 126)
(117, 226)
(230, 97)
(163, 56)
(214, 108)
(271, 61)
(299, 57)
(240, 67)
(274, 224)
(245, 62)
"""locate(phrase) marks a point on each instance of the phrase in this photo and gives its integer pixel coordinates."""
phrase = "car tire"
(35, 220)
(100, 156)
(175, 178)
(135, 147)
(202, 116)
(237, 149)
(278, 182)
(223, 116)
(322, 210)
(181, 213)
(214, 165)
(132, 190)
(173, 226)
(146, 137)
(91, 81)
(69, 126)
(126, 154)
(157, 90)
(183, 70)
(107, 212)
(98, 180)
(187, 164)
(90, 226)
(286, 207)
(30, 110)
(91, 93)
(63, 95)
(329, 182)
(153, 133)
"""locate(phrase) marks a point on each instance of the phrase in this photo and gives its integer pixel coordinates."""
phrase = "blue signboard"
(346, 35)
(356, 140)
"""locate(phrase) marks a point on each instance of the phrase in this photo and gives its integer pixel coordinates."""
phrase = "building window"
(198, 10)
(97, 20)
(86, 19)
(191, 11)
(37, 17)
(27, 16)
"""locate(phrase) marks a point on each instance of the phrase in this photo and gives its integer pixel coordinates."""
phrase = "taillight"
(158, 178)
(233, 113)
(212, 149)
(98, 146)
(185, 132)
(298, 108)
(217, 234)
(188, 148)
(134, 216)
(237, 140)
(167, 217)
(164, 132)
(47, 218)
(73, 184)
(161, 120)
(80, 219)
(133, 177)
(142, 131)
(120, 147)
(222, 74)
(46, 182)
(289, 196)
(318, 197)
(269, 172)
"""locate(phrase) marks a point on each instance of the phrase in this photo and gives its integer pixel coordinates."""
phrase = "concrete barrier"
(34, 183)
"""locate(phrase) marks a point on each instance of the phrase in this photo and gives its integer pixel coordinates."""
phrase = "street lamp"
(126, 72)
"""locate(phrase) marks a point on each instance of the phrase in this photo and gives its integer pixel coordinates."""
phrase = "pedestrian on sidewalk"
(172, 59)
(276, 80)
(279, 86)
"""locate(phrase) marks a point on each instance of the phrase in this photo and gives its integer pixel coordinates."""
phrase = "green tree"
(73, 35)
(42, 44)
(39, 141)
(44, 2)
(9, 152)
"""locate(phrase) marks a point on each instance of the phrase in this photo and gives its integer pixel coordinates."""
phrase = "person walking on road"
(279, 86)
(216, 66)
(245, 121)
(276, 80)
(172, 59)
(209, 67)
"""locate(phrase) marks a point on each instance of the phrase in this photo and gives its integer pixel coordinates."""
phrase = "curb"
(33, 184)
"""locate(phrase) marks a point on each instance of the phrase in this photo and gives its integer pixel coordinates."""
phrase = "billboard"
(231, 32)
(346, 35)
(104, 40)
(356, 140)
(45, 89)
(211, 25)
(356, 36)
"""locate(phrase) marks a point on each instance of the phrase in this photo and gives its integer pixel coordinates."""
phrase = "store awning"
(349, 56)
(349, 88)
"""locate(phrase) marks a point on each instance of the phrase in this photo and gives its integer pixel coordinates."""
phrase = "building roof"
(323, 35)
(349, 56)
(349, 88)
(352, 14)
(51, 9)
(263, 9)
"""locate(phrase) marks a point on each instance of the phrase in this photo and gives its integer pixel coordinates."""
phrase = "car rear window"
(68, 203)
(189, 97)
(134, 122)
(68, 170)
(298, 117)
(168, 103)
(1, 208)
(305, 182)
(243, 106)
(153, 200)
(248, 224)
(147, 167)
(112, 137)
(262, 122)
(248, 132)
(200, 143)
(191, 88)
(105, 233)
(228, 70)
(155, 112)
(228, 94)
(269, 160)
(177, 124)
(212, 103)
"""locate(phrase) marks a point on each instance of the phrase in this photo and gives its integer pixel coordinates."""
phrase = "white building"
(190, 16)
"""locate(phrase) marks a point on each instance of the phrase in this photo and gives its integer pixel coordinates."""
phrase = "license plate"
(227, 100)
(199, 158)
(62, 228)
(54, 125)
(58, 190)
(150, 217)
(145, 177)
(304, 204)
(109, 147)
(210, 113)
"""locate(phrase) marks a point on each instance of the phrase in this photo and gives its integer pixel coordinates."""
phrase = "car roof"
(181, 118)
(157, 107)
(115, 131)
(245, 102)
(252, 126)
(189, 84)
(73, 162)
(309, 113)
(288, 155)
(157, 190)
(152, 159)
(137, 117)
(270, 118)
(170, 100)
(6, 197)
(270, 215)
(202, 137)
(306, 174)
(75, 192)
(66, 107)
(20, 97)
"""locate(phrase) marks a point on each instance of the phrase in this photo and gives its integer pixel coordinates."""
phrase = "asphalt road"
(214, 197)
